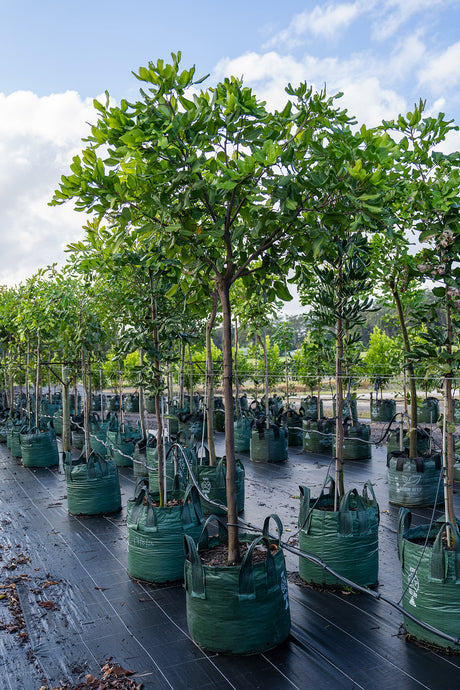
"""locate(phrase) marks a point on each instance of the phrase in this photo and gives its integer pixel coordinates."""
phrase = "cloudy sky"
(55, 57)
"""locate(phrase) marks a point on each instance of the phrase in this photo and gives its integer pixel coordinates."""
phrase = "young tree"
(218, 182)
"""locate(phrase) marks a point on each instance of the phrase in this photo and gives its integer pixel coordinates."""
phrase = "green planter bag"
(240, 609)
(346, 540)
(98, 432)
(356, 442)
(456, 411)
(93, 487)
(219, 419)
(14, 437)
(140, 459)
(428, 411)
(132, 403)
(457, 471)
(414, 482)
(430, 580)
(350, 409)
(423, 440)
(317, 436)
(242, 431)
(122, 441)
(39, 449)
(268, 445)
(57, 422)
(383, 410)
(150, 404)
(152, 464)
(212, 483)
(309, 405)
(292, 420)
(156, 535)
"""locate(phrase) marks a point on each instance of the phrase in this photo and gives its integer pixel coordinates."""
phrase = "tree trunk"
(157, 395)
(210, 380)
(27, 381)
(141, 397)
(121, 397)
(190, 385)
(235, 365)
(85, 404)
(449, 416)
(339, 482)
(410, 368)
(232, 516)
(37, 381)
(66, 444)
(286, 372)
(182, 376)
(267, 389)
(318, 398)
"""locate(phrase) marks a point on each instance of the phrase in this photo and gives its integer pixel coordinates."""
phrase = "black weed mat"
(71, 617)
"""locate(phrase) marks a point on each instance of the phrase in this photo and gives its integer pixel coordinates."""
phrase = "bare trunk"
(210, 380)
(85, 404)
(37, 381)
(267, 390)
(190, 385)
(235, 366)
(141, 397)
(339, 482)
(158, 409)
(121, 398)
(182, 377)
(232, 516)
(449, 416)
(318, 394)
(27, 381)
(412, 383)
(66, 444)
(286, 372)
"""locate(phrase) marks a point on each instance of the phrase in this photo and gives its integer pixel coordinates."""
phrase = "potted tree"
(199, 192)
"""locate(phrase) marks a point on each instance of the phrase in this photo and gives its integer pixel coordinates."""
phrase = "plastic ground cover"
(80, 606)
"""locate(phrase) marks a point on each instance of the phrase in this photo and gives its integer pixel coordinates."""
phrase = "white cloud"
(442, 71)
(364, 93)
(392, 14)
(320, 22)
(38, 138)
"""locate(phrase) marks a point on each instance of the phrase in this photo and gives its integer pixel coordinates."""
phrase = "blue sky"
(56, 56)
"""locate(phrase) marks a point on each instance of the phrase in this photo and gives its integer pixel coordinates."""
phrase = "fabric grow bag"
(383, 410)
(219, 419)
(156, 535)
(268, 445)
(350, 409)
(39, 449)
(240, 609)
(309, 405)
(152, 465)
(57, 422)
(292, 420)
(150, 404)
(122, 441)
(346, 540)
(423, 440)
(428, 411)
(93, 487)
(98, 432)
(140, 459)
(132, 403)
(356, 442)
(14, 436)
(414, 482)
(242, 431)
(430, 580)
(212, 483)
(317, 435)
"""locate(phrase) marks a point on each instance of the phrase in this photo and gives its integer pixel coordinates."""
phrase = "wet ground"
(79, 606)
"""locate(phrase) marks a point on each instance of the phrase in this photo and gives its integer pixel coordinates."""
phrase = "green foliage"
(383, 358)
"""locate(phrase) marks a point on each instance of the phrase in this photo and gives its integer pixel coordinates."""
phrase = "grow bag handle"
(150, 517)
(345, 522)
(266, 526)
(191, 554)
(439, 559)
(246, 583)
(404, 522)
(223, 531)
(191, 509)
